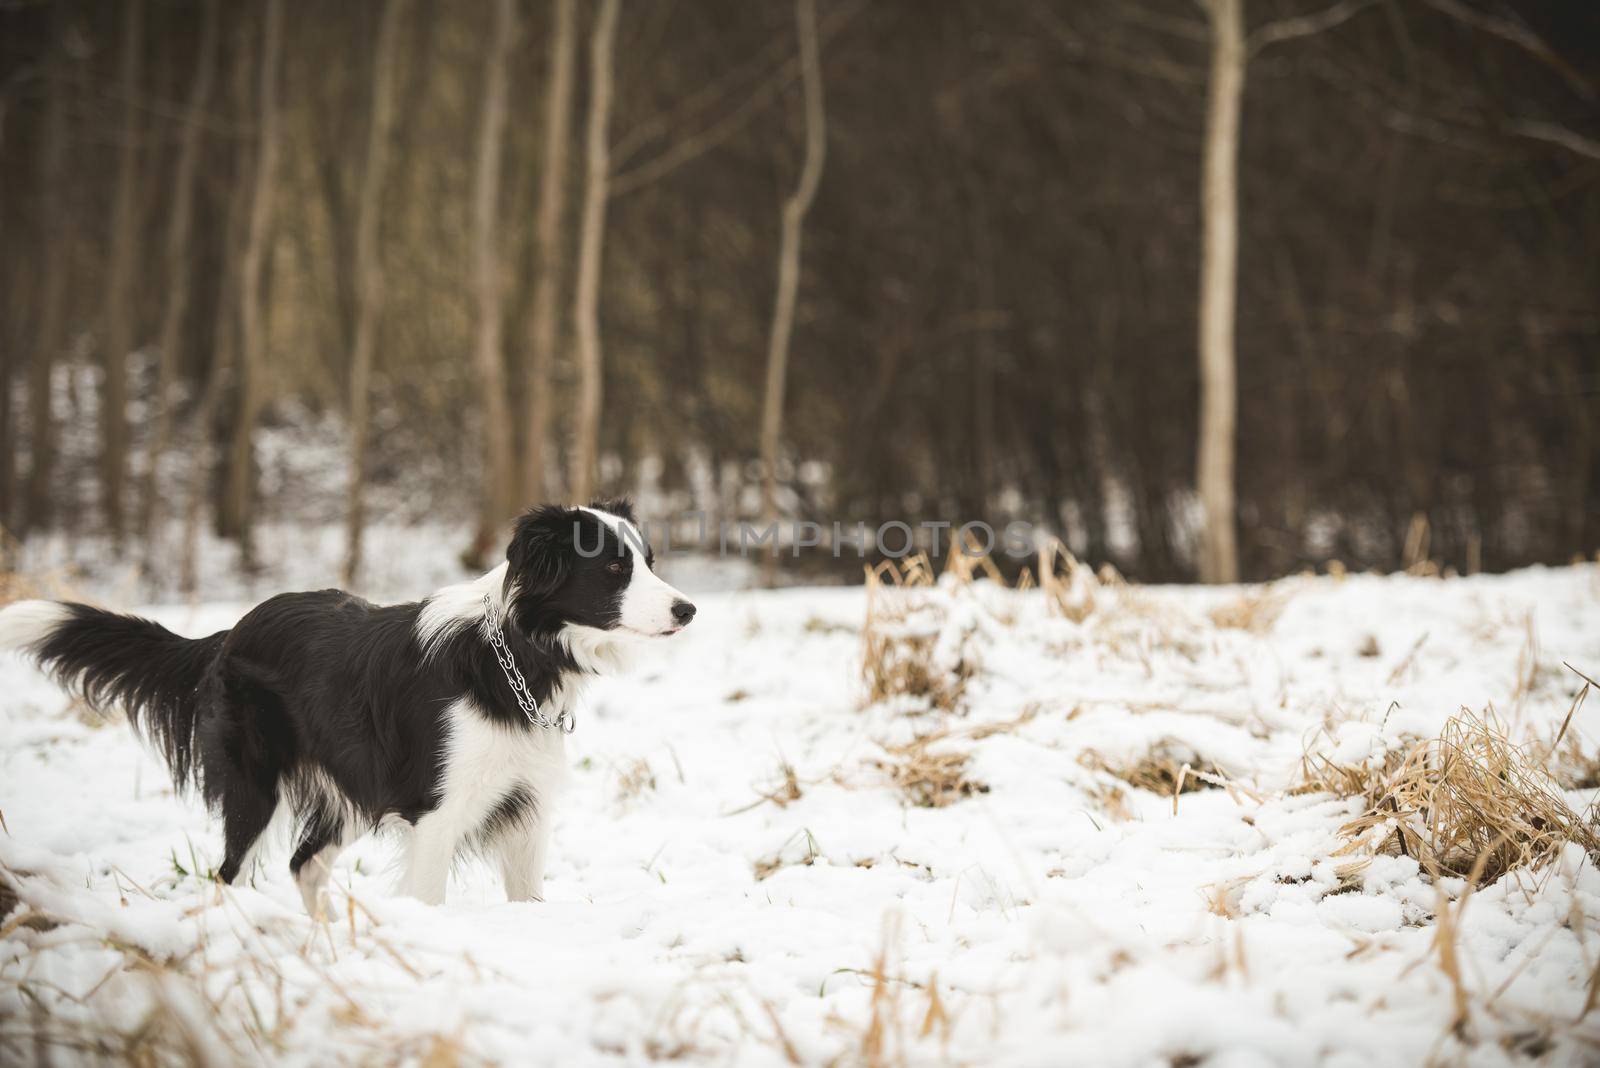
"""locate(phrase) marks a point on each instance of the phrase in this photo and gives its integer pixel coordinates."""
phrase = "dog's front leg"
(523, 853)
(432, 850)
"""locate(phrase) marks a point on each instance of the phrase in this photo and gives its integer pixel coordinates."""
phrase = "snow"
(1034, 923)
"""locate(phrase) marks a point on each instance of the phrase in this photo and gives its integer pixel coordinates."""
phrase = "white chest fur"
(481, 766)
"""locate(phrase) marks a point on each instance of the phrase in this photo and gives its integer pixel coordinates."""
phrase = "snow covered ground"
(738, 877)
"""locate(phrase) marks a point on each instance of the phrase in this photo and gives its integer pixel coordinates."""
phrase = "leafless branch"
(1521, 36)
(1551, 133)
(1305, 25)
(695, 145)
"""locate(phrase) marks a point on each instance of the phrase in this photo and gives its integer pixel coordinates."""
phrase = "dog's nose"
(682, 612)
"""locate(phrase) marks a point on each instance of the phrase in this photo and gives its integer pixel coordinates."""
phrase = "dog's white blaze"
(482, 763)
(27, 624)
(647, 602)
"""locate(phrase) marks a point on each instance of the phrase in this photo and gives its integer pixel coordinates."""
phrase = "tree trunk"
(178, 272)
(203, 467)
(369, 275)
(119, 310)
(494, 506)
(586, 311)
(1219, 553)
(794, 214)
(55, 236)
(252, 317)
(8, 445)
(543, 321)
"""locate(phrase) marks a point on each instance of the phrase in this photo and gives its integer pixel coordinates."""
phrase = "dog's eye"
(616, 567)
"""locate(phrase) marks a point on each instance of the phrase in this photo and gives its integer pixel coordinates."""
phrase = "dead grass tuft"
(901, 636)
(635, 779)
(1572, 765)
(1168, 768)
(1254, 612)
(1469, 803)
(20, 586)
(1069, 586)
(933, 774)
(899, 1023)
(930, 778)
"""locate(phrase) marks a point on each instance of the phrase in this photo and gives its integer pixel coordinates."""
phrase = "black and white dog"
(444, 718)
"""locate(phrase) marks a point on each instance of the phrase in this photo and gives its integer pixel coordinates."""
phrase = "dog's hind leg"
(245, 745)
(312, 863)
(247, 808)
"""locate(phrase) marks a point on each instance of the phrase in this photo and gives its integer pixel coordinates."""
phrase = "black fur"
(314, 687)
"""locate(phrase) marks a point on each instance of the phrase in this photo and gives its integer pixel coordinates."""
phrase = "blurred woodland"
(955, 260)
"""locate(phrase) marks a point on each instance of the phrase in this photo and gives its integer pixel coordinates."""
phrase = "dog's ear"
(542, 547)
(617, 506)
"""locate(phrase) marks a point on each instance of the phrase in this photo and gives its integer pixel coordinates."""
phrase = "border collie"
(444, 718)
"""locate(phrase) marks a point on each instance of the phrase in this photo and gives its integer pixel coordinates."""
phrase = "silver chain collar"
(519, 686)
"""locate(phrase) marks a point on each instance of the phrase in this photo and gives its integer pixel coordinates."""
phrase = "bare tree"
(119, 310)
(794, 215)
(178, 272)
(1219, 268)
(224, 328)
(586, 311)
(1231, 51)
(543, 319)
(8, 448)
(56, 226)
(490, 281)
(369, 275)
(252, 321)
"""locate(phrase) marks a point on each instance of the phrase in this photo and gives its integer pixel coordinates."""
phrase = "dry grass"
(929, 777)
(1572, 765)
(635, 779)
(897, 1018)
(1469, 803)
(1069, 586)
(931, 773)
(900, 637)
(1168, 768)
(19, 586)
(1254, 612)
(783, 791)
(208, 1005)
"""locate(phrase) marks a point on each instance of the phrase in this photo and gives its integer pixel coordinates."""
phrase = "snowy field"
(759, 865)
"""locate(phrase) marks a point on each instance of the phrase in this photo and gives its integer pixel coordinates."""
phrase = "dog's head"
(588, 570)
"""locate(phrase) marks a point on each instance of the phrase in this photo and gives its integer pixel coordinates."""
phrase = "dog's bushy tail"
(120, 661)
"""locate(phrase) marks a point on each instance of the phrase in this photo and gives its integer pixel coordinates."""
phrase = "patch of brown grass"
(900, 636)
(20, 586)
(1069, 586)
(1167, 768)
(928, 777)
(933, 774)
(1571, 765)
(1255, 611)
(1469, 803)
(635, 779)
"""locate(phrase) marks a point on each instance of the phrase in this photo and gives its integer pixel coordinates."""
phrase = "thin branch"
(696, 145)
(1518, 35)
(1550, 133)
(1304, 25)
(1188, 29)
(1145, 66)
(688, 109)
